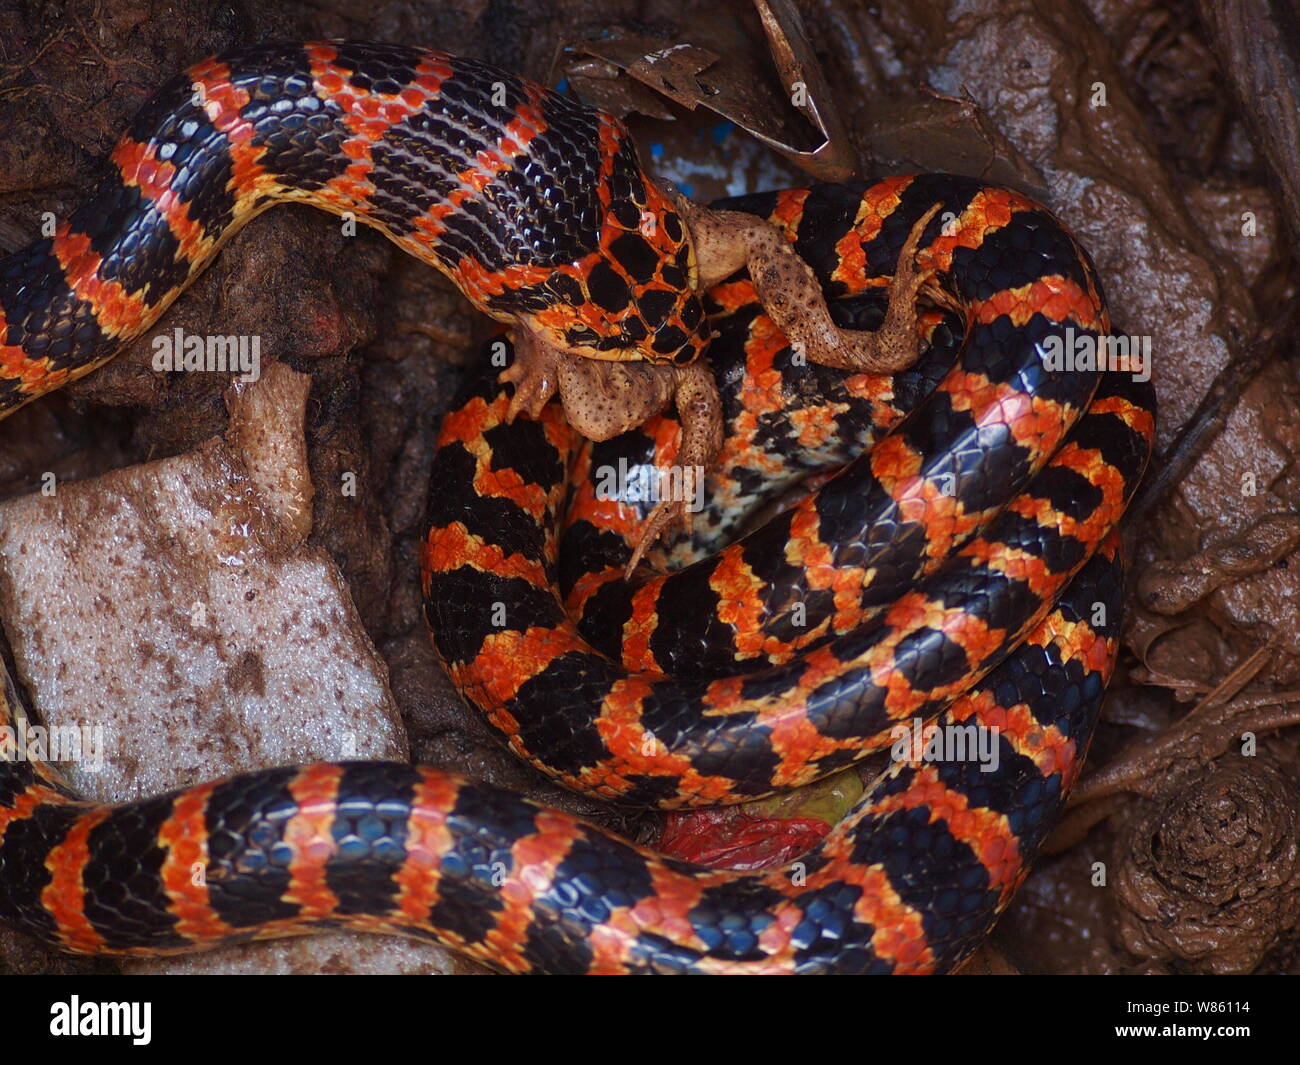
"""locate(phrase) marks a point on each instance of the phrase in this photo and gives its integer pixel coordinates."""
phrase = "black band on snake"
(961, 567)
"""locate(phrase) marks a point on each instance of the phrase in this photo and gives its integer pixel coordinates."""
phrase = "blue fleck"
(353, 849)
(389, 851)
(371, 828)
(709, 936)
(742, 943)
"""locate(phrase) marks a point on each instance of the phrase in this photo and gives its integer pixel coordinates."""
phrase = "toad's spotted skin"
(963, 568)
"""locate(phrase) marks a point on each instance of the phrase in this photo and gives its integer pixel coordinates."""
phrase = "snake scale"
(956, 563)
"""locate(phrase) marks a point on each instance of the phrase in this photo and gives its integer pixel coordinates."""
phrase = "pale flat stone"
(175, 612)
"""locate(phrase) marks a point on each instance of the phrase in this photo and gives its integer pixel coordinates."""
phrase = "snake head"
(634, 297)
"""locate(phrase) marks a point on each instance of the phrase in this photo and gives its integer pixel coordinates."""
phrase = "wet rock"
(175, 614)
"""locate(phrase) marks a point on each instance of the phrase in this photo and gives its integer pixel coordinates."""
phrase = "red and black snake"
(962, 565)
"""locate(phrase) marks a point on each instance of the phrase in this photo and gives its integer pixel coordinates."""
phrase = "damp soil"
(1152, 128)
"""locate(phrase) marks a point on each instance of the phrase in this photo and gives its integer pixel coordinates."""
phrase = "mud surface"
(1179, 852)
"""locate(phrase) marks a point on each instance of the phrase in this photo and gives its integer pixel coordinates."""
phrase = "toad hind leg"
(725, 241)
(700, 410)
(603, 399)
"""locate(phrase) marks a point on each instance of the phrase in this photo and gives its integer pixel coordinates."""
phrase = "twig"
(1202, 733)
(1212, 413)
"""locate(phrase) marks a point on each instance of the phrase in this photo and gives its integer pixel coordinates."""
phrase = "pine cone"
(1208, 875)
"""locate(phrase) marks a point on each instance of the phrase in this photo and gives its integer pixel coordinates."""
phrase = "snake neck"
(510, 189)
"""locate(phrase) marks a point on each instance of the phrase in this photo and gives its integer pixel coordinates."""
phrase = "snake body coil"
(962, 569)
